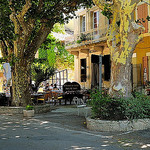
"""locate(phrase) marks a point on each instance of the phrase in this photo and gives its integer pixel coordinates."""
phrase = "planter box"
(19, 110)
(122, 125)
(28, 113)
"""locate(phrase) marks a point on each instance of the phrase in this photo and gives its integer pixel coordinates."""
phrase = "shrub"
(108, 108)
(29, 107)
(137, 107)
(79, 41)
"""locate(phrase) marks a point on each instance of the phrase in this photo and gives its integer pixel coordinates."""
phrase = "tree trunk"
(123, 36)
(21, 83)
(121, 84)
(122, 49)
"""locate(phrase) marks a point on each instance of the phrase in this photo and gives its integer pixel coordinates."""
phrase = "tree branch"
(100, 3)
(40, 6)
(14, 19)
(3, 47)
(20, 16)
(37, 41)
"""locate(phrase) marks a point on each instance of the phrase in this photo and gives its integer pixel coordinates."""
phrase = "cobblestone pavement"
(62, 129)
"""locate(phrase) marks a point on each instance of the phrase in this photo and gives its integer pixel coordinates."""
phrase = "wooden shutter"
(142, 13)
(91, 19)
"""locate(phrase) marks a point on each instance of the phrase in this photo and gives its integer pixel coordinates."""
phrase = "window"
(82, 23)
(95, 19)
(83, 70)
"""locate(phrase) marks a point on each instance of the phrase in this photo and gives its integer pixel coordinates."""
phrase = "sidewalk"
(130, 140)
(65, 118)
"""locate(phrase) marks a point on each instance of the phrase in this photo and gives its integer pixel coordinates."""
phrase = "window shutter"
(91, 20)
(80, 23)
(142, 13)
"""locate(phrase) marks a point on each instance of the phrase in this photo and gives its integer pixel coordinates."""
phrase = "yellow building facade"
(141, 56)
(90, 42)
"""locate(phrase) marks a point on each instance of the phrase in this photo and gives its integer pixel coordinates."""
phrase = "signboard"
(74, 86)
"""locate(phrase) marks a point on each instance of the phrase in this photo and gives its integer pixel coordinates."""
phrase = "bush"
(29, 107)
(108, 108)
(79, 41)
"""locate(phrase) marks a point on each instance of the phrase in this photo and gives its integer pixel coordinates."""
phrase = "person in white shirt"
(51, 87)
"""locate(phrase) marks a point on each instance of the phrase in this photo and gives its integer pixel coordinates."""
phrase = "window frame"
(83, 23)
(96, 18)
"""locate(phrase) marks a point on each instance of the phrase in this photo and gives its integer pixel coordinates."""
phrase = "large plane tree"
(24, 26)
(123, 36)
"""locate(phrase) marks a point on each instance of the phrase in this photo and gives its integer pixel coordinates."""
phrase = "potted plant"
(29, 111)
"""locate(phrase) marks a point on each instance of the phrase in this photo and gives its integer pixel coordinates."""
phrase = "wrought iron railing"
(92, 36)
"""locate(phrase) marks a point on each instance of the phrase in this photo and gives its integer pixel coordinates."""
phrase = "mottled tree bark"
(21, 83)
(23, 53)
(123, 36)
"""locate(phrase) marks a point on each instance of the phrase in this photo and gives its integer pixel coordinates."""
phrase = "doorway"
(106, 70)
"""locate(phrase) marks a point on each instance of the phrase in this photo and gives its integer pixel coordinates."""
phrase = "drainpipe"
(100, 72)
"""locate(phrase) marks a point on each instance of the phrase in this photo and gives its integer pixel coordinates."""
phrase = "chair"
(79, 103)
(50, 97)
(43, 98)
(57, 98)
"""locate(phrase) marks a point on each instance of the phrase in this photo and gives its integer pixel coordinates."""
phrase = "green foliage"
(2, 60)
(107, 11)
(138, 106)
(52, 54)
(29, 107)
(52, 11)
(108, 108)
(1, 66)
(55, 53)
(59, 28)
(63, 58)
(6, 25)
(41, 71)
(79, 41)
(148, 18)
(12, 59)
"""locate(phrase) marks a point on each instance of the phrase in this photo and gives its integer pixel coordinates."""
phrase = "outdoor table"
(36, 96)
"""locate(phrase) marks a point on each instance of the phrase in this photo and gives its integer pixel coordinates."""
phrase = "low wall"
(84, 111)
(42, 108)
(105, 125)
(19, 110)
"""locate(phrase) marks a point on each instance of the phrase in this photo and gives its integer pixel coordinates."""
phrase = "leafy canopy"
(40, 11)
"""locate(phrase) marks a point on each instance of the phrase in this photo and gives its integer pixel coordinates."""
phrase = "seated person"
(46, 87)
(55, 87)
(51, 87)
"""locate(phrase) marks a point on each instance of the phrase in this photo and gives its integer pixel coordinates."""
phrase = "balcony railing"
(89, 37)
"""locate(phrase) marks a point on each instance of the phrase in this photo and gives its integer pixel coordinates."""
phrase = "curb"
(125, 125)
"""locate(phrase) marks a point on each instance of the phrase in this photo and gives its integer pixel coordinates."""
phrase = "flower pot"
(28, 113)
